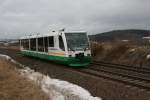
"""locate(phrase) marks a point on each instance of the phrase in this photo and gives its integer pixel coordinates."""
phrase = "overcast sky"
(20, 17)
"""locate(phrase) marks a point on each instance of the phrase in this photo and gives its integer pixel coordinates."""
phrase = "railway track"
(130, 71)
(124, 67)
(120, 73)
(130, 76)
(120, 79)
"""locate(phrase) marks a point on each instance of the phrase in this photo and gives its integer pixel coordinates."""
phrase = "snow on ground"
(10, 59)
(148, 57)
(55, 88)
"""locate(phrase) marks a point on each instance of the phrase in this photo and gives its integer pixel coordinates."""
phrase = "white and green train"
(70, 48)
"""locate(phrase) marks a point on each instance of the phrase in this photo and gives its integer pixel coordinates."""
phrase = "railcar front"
(79, 53)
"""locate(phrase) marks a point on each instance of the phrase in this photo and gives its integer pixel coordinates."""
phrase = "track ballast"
(129, 75)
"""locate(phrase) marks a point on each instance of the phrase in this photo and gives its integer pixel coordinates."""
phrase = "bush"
(96, 49)
(115, 52)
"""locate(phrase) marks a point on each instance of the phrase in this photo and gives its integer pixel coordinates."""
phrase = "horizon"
(1, 39)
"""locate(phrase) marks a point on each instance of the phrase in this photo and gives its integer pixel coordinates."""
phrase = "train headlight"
(69, 49)
(86, 49)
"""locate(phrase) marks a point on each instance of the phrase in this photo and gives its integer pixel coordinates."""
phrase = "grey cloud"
(18, 17)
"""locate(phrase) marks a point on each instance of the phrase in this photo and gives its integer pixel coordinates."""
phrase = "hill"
(131, 34)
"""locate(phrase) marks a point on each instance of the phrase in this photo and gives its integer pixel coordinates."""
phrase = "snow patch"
(148, 57)
(5, 57)
(55, 88)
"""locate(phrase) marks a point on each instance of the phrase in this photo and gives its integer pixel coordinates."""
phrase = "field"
(121, 53)
(15, 87)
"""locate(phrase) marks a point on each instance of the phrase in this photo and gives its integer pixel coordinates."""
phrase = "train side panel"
(71, 49)
(71, 61)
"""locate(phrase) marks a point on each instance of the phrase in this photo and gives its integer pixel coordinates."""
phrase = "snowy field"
(56, 89)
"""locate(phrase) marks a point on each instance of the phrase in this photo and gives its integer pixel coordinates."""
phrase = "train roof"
(53, 33)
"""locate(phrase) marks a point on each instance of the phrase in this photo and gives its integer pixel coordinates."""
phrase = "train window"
(25, 44)
(40, 44)
(33, 44)
(46, 44)
(20, 42)
(61, 43)
(77, 41)
(51, 41)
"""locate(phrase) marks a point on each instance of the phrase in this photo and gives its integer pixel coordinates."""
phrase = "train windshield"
(77, 41)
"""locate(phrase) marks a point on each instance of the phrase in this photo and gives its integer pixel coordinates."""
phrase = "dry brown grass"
(116, 52)
(122, 53)
(97, 49)
(15, 87)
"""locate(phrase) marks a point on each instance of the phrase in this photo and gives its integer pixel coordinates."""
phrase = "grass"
(15, 87)
(122, 53)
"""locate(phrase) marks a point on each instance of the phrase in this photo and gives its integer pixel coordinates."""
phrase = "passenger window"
(33, 44)
(61, 43)
(46, 44)
(40, 44)
(25, 44)
(51, 41)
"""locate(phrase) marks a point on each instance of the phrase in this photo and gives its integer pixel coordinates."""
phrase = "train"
(68, 48)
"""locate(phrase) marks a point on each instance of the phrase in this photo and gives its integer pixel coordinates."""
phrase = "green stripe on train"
(71, 61)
